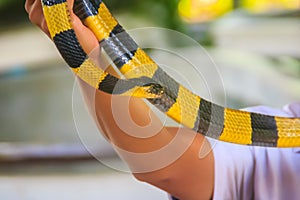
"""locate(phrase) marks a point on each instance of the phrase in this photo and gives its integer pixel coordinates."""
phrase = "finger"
(44, 27)
(36, 16)
(28, 5)
(34, 10)
(85, 36)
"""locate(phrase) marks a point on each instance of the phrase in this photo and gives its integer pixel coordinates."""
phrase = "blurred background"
(255, 45)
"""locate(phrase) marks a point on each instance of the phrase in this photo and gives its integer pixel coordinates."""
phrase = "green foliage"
(162, 12)
(4, 3)
(12, 13)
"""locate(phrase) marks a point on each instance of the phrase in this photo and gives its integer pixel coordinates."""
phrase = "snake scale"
(145, 79)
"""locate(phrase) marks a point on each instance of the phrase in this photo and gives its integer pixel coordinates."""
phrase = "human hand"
(85, 36)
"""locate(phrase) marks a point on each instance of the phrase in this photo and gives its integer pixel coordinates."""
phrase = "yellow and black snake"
(145, 79)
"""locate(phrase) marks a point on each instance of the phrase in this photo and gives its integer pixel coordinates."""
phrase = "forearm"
(175, 166)
(127, 122)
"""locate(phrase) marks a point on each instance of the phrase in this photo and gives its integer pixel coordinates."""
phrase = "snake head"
(155, 90)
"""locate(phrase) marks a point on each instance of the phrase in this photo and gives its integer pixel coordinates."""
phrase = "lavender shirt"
(244, 172)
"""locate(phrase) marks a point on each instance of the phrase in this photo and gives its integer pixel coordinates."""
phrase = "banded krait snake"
(145, 79)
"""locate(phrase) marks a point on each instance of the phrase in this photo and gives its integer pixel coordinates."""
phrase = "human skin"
(186, 176)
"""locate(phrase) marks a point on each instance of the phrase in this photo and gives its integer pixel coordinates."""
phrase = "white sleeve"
(233, 171)
(293, 109)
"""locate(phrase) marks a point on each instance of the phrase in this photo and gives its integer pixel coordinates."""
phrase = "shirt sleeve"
(233, 171)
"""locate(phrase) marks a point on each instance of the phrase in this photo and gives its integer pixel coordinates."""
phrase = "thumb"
(85, 36)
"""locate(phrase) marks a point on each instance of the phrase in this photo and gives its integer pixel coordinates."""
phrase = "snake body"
(145, 79)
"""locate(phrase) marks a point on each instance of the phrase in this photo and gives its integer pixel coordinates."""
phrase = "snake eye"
(156, 89)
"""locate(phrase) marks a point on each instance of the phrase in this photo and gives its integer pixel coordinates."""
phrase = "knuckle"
(32, 18)
(28, 5)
